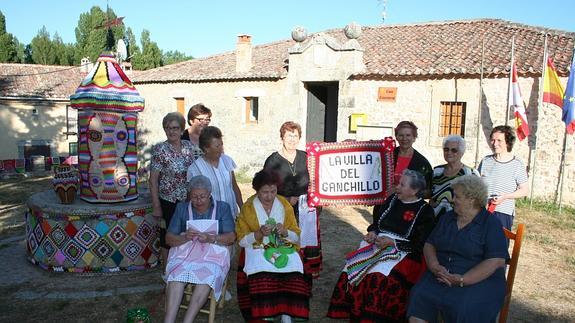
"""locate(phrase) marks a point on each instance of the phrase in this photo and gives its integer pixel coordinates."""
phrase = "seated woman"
(376, 279)
(198, 235)
(465, 255)
(444, 175)
(270, 281)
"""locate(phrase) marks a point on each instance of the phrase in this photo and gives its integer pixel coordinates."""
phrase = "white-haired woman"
(465, 256)
(374, 285)
(444, 175)
(199, 234)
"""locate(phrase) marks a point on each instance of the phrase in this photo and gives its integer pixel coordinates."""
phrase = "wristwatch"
(461, 281)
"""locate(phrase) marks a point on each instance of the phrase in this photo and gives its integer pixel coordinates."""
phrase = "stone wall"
(248, 144)
(419, 101)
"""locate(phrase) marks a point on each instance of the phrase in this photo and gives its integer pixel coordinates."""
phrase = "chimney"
(85, 65)
(244, 53)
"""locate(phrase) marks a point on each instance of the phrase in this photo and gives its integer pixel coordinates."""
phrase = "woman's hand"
(191, 235)
(384, 242)
(437, 269)
(370, 237)
(205, 237)
(281, 230)
(266, 230)
(449, 279)
(293, 200)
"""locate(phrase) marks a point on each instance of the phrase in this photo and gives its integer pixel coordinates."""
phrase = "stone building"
(447, 77)
(352, 83)
(34, 118)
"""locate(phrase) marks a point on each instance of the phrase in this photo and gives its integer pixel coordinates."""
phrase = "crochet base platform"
(85, 237)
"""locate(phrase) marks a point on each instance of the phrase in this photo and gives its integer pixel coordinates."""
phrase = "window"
(72, 149)
(180, 106)
(452, 119)
(251, 109)
(71, 122)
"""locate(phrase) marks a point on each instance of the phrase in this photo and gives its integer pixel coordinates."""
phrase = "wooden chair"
(211, 303)
(517, 237)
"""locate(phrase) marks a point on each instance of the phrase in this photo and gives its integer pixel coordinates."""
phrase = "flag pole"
(509, 84)
(478, 133)
(562, 169)
(540, 110)
(564, 152)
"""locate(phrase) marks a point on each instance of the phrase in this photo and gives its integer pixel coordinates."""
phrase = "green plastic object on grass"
(138, 315)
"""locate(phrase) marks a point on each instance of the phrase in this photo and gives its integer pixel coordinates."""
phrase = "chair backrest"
(517, 238)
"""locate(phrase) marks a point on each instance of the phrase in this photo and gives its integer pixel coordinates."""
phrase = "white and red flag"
(516, 103)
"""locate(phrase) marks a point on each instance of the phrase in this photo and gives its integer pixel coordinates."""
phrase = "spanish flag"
(552, 89)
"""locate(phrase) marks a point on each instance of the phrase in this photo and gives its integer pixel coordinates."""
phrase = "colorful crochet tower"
(108, 106)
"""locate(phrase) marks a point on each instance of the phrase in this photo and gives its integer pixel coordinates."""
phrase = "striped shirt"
(442, 194)
(220, 177)
(503, 178)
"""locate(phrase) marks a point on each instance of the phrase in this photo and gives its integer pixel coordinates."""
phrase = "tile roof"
(436, 49)
(39, 81)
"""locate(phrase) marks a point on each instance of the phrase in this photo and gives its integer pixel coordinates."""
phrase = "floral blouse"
(172, 166)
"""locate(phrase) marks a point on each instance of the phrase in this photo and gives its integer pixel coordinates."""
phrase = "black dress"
(380, 298)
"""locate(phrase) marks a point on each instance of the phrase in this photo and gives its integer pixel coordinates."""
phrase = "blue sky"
(202, 28)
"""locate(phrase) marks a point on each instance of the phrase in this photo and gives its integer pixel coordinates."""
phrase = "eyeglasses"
(205, 120)
(200, 197)
(291, 136)
(453, 150)
(173, 128)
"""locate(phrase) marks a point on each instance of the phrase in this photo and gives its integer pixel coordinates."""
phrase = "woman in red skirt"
(375, 282)
(270, 277)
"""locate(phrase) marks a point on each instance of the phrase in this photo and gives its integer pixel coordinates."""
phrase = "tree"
(132, 44)
(91, 35)
(64, 52)
(43, 51)
(8, 43)
(172, 57)
(151, 56)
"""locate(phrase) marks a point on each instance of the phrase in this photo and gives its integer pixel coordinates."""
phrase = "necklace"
(292, 168)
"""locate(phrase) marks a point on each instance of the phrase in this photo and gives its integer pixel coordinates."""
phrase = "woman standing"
(443, 175)
(219, 168)
(270, 286)
(199, 117)
(465, 256)
(170, 161)
(375, 283)
(291, 166)
(504, 174)
(406, 157)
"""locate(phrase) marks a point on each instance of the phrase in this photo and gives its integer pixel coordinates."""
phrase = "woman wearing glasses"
(444, 175)
(199, 117)
(199, 234)
(168, 166)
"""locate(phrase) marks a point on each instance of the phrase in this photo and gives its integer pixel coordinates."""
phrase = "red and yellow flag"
(552, 89)
(518, 106)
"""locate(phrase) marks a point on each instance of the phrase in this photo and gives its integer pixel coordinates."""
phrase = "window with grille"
(452, 119)
(71, 122)
(252, 109)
